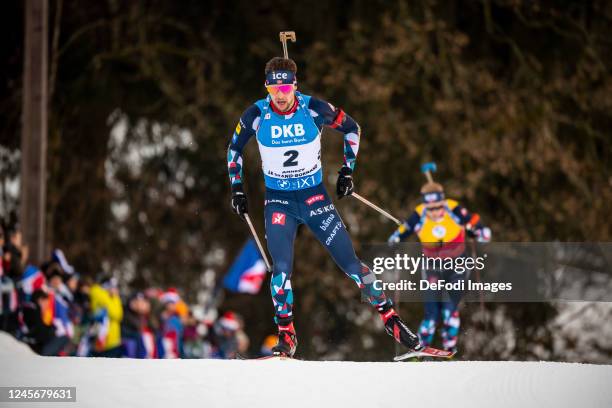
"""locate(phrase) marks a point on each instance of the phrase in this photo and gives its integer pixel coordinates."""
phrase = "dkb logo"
(287, 130)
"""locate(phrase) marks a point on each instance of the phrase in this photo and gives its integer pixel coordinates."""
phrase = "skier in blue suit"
(287, 126)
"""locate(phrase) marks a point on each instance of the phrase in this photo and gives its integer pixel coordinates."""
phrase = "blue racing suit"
(290, 148)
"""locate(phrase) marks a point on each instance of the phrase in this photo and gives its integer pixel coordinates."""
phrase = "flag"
(32, 280)
(247, 272)
(59, 257)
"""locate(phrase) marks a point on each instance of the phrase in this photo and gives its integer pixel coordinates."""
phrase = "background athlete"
(287, 126)
(441, 225)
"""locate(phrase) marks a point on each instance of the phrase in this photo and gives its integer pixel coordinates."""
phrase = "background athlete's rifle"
(428, 169)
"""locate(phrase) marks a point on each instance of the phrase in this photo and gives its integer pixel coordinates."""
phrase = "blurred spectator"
(8, 295)
(8, 304)
(14, 254)
(193, 338)
(82, 302)
(266, 347)
(107, 313)
(80, 315)
(136, 328)
(55, 281)
(226, 338)
(171, 326)
(2, 242)
(71, 285)
(58, 312)
(36, 330)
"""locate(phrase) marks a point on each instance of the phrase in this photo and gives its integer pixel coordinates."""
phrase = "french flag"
(32, 280)
(248, 271)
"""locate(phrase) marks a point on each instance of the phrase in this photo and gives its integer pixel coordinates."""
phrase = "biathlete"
(441, 225)
(287, 126)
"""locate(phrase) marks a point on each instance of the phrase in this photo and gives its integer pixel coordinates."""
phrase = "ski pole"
(480, 295)
(377, 208)
(261, 250)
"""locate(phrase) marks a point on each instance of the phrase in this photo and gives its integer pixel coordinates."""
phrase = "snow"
(11, 347)
(296, 384)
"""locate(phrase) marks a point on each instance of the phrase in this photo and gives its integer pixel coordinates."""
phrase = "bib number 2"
(292, 156)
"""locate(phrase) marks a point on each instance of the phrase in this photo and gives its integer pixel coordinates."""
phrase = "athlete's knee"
(451, 318)
(432, 311)
(360, 273)
(280, 266)
(427, 326)
(427, 330)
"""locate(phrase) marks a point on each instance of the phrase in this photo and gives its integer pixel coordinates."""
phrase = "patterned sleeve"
(245, 129)
(466, 218)
(326, 114)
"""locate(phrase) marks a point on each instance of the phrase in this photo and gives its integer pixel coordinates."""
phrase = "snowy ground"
(296, 384)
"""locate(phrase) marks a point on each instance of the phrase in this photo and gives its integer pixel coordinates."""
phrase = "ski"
(425, 352)
(276, 357)
(270, 357)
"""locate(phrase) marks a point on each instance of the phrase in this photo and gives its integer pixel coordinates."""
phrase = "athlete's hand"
(344, 185)
(483, 235)
(239, 201)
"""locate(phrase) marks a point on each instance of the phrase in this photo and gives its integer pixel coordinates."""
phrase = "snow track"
(249, 383)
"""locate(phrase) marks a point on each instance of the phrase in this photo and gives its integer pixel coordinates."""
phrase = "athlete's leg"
(433, 309)
(281, 226)
(450, 328)
(319, 213)
(450, 314)
(427, 329)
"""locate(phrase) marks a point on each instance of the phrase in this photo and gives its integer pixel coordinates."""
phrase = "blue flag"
(247, 272)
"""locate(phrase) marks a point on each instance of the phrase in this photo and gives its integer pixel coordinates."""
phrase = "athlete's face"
(435, 211)
(282, 96)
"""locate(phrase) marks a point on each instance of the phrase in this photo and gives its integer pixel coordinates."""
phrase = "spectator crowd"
(58, 312)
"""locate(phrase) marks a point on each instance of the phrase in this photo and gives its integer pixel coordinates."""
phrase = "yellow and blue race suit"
(440, 238)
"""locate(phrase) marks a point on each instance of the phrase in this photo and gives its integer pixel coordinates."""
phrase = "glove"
(239, 201)
(344, 185)
(393, 239)
(483, 235)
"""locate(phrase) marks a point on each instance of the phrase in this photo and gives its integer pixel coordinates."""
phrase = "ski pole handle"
(377, 208)
(261, 250)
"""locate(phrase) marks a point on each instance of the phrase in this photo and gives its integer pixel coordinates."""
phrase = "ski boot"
(287, 340)
(397, 329)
